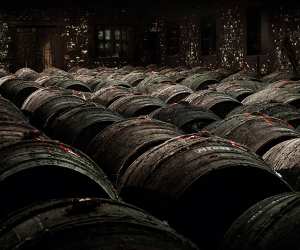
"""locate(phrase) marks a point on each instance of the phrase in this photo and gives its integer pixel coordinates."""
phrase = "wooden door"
(26, 50)
(152, 48)
(38, 47)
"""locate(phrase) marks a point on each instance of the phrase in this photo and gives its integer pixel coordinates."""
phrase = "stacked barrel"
(201, 151)
(54, 196)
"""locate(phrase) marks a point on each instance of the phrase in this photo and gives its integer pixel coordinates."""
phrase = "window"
(208, 35)
(253, 31)
(172, 39)
(112, 42)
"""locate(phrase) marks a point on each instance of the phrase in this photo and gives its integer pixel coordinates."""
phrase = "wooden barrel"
(248, 84)
(39, 97)
(165, 70)
(84, 95)
(272, 224)
(7, 78)
(96, 83)
(73, 84)
(178, 76)
(187, 117)
(241, 75)
(136, 105)
(9, 112)
(153, 77)
(220, 103)
(220, 73)
(152, 67)
(113, 82)
(82, 71)
(52, 107)
(292, 86)
(278, 110)
(87, 223)
(51, 80)
(274, 95)
(133, 79)
(84, 78)
(200, 184)
(152, 80)
(33, 101)
(285, 159)
(199, 69)
(199, 81)
(3, 73)
(239, 89)
(278, 75)
(106, 96)
(18, 90)
(258, 132)
(27, 74)
(13, 131)
(117, 146)
(49, 124)
(56, 72)
(237, 92)
(282, 84)
(40, 170)
(171, 93)
(79, 125)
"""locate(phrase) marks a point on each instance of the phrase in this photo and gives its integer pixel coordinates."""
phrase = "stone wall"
(231, 31)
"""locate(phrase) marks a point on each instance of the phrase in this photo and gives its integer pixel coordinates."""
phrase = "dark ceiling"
(132, 4)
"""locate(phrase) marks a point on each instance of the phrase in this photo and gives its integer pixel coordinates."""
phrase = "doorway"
(37, 48)
(152, 48)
